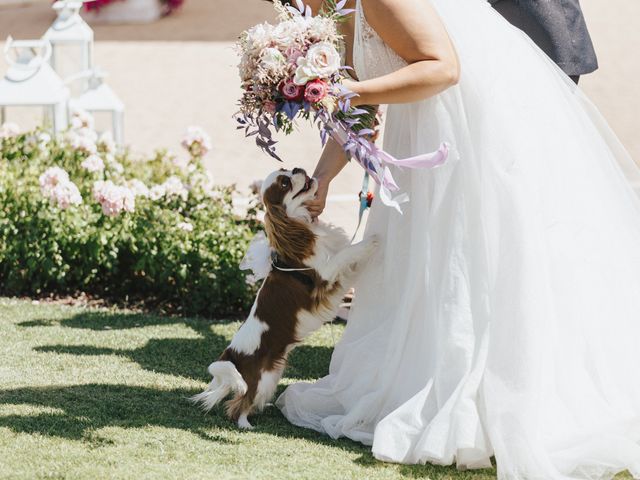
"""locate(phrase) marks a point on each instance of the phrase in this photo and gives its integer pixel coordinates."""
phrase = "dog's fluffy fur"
(289, 306)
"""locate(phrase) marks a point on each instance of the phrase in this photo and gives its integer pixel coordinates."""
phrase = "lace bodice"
(371, 56)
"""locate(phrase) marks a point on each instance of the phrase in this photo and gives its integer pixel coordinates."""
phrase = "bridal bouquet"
(294, 70)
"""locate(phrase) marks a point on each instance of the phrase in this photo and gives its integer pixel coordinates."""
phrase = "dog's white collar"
(282, 269)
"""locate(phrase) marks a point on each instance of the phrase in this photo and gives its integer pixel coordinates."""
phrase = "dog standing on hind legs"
(312, 265)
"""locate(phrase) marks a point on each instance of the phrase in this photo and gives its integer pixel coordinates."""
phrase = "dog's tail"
(226, 379)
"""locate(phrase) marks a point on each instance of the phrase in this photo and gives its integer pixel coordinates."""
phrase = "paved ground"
(181, 71)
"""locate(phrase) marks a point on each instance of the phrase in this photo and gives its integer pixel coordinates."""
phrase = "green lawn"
(103, 394)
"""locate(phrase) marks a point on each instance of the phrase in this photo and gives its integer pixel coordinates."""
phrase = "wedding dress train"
(501, 315)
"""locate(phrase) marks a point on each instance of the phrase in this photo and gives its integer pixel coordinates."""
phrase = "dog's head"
(287, 220)
(289, 190)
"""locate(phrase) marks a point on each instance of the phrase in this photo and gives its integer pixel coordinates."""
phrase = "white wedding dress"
(501, 315)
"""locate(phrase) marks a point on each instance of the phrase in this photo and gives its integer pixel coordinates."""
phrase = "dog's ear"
(292, 239)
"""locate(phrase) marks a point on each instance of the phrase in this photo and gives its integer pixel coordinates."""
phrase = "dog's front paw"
(363, 251)
(371, 243)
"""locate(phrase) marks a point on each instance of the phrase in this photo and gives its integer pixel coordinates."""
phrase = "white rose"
(272, 59)
(289, 32)
(259, 36)
(322, 29)
(321, 61)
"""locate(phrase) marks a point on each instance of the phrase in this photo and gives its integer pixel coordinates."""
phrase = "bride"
(501, 315)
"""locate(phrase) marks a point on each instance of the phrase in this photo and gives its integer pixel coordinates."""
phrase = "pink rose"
(315, 91)
(269, 106)
(293, 54)
(291, 91)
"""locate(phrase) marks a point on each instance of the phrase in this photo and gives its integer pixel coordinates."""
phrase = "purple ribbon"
(376, 162)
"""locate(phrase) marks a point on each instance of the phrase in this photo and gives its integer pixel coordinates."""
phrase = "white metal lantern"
(30, 83)
(103, 104)
(71, 38)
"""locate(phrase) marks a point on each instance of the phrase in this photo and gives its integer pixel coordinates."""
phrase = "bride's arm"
(332, 161)
(414, 30)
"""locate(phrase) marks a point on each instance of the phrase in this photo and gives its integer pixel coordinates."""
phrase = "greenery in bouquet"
(78, 215)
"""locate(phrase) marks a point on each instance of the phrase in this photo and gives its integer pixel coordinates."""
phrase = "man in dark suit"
(558, 27)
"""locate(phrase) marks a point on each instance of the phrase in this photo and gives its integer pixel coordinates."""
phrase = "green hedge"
(178, 246)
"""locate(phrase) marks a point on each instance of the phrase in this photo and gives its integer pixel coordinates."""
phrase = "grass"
(90, 394)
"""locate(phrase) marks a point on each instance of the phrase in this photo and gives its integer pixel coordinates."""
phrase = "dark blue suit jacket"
(558, 27)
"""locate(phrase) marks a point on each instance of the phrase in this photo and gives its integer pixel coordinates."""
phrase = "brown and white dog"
(313, 264)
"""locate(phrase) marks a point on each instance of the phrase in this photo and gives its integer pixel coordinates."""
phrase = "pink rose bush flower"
(196, 142)
(58, 189)
(66, 194)
(106, 143)
(9, 130)
(157, 192)
(184, 164)
(185, 226)
(138, 188)
(93, 164)
(83, 140)
(81, 119)
(83, 137)
(52, 177)
(173, 187)
(114, 199)
(256, 186)
(114, 164)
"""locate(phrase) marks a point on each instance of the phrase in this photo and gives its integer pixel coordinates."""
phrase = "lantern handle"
(38, 60)
(95, 72)
(74, 6)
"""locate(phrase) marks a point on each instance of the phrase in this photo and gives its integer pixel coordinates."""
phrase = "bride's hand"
(316, 206)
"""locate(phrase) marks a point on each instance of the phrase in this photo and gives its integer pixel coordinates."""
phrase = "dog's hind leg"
(243, 422)
(226, 379)
(239, 408)
(214, 393)
(267, 386)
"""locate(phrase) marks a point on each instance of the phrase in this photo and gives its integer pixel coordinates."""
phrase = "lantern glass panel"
(28, 117)
(103, 121)
(69, 59)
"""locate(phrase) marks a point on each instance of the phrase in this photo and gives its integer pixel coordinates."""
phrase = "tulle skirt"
(501, 315)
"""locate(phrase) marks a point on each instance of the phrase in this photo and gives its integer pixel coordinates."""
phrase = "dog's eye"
(285, 182)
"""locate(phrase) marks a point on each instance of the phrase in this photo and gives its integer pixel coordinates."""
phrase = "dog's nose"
(299, 170)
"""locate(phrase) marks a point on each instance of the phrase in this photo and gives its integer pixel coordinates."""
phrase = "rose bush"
(78, 216)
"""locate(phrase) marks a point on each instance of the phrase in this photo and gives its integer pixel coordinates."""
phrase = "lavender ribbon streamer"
(376, 161)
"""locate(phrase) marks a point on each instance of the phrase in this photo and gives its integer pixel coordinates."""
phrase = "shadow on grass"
(86, 408)
(190, 358)
(93, 406)
(89, 407)
(186, 357)
(105, 320)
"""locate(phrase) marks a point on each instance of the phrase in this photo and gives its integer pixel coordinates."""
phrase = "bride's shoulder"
(413, 30)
